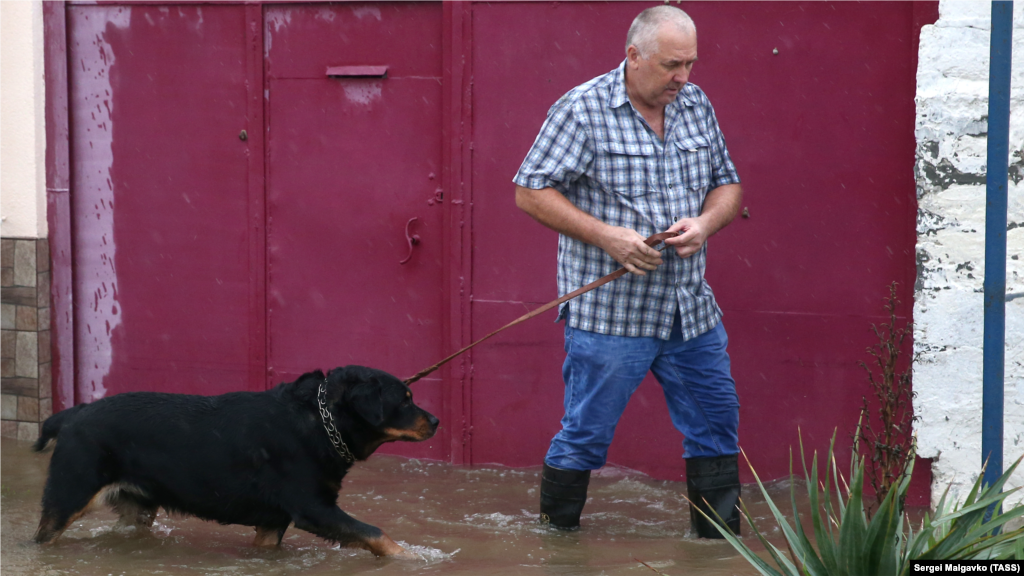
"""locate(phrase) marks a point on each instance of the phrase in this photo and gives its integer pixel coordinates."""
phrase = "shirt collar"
(617, 95)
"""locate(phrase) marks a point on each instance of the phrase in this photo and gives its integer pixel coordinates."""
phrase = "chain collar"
(328, 421)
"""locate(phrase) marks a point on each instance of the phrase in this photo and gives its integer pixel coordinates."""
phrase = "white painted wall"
(952, 107)
(22, 117)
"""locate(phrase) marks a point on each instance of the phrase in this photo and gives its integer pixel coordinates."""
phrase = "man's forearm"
(720, 207)
(549, 207)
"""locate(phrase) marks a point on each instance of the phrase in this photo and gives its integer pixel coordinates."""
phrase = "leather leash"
(651, 241)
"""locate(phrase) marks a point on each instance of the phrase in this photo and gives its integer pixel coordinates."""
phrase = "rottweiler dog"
(261, 459)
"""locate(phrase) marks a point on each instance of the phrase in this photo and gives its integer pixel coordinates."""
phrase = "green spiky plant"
(846, 542)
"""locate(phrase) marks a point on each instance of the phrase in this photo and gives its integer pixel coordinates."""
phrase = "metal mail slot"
(357, 72)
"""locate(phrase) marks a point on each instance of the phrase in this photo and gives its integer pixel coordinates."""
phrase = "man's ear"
(633, 56)
(366, 401)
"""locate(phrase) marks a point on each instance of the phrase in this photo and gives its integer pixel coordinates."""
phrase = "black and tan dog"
(262, 459)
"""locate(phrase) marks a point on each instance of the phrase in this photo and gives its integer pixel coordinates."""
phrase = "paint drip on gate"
(100, 312)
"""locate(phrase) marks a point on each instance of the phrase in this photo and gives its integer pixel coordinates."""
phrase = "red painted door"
(816, 101)
(205, 263)
(354, 173)
(159, 196)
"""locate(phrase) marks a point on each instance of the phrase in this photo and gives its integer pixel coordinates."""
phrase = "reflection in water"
(458, 520)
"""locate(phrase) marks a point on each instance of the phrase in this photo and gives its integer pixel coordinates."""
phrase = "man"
(630, 153)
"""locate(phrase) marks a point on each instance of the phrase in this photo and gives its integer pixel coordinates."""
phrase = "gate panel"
(354, 170)
(159, 196)
(167, 203)
(822, 135)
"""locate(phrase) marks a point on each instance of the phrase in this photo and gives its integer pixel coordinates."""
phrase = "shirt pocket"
(623, 168)
(693, 157)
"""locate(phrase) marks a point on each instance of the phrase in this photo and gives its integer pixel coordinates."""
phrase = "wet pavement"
(458, 520)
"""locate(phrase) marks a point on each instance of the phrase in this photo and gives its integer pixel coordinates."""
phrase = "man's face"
(657, 80)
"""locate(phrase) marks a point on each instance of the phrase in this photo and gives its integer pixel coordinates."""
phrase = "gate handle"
(412, 240)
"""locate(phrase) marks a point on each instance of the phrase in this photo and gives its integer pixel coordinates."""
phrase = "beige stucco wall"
(22, 117)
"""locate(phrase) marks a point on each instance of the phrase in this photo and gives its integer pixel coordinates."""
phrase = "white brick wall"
(952, 108)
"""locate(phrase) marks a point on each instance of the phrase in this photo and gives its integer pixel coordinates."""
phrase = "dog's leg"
(133, 508)
(74, 482)
(268, 537)
(60, 510)
(331, 523)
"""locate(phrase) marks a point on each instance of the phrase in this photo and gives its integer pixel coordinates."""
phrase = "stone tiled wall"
(26, 382)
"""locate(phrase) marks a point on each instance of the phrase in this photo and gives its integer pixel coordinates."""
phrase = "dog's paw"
(406, 554)
(385, 547)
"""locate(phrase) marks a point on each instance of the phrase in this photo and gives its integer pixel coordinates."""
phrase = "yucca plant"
(846, 542)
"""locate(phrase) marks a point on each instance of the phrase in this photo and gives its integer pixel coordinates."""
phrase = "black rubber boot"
(714, 481)
(562, 496)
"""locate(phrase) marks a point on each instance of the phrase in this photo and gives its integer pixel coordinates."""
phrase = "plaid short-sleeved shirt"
(597, 150)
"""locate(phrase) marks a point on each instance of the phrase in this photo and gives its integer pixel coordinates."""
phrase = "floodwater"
(458, 520)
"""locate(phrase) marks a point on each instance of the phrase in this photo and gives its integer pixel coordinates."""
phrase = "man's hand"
(553, 210)
(627, 248)
(693, 233)
(720, 207)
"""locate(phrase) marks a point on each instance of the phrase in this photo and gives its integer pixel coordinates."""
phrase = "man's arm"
(720, 208)
(549, 207)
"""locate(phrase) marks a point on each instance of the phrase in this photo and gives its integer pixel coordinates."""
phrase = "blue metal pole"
(995, 238)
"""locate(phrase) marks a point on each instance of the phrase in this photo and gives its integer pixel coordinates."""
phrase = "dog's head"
(383, 403)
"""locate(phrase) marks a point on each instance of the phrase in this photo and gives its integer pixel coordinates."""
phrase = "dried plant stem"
(886, 437)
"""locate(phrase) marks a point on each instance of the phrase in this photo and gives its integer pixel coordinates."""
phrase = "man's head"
(661, 47)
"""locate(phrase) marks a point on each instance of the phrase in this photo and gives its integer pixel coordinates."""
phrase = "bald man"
(628, 154)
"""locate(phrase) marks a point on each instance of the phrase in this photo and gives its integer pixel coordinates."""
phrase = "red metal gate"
(354, 205)
(206, 260)
(816, 103)
(159, 197)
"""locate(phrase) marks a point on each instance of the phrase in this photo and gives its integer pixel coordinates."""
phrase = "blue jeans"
(601, 372)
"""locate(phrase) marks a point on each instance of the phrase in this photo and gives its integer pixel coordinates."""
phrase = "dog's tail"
(52, 427)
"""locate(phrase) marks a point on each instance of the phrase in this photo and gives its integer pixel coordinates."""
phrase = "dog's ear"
(365, 398)
(341, 375)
